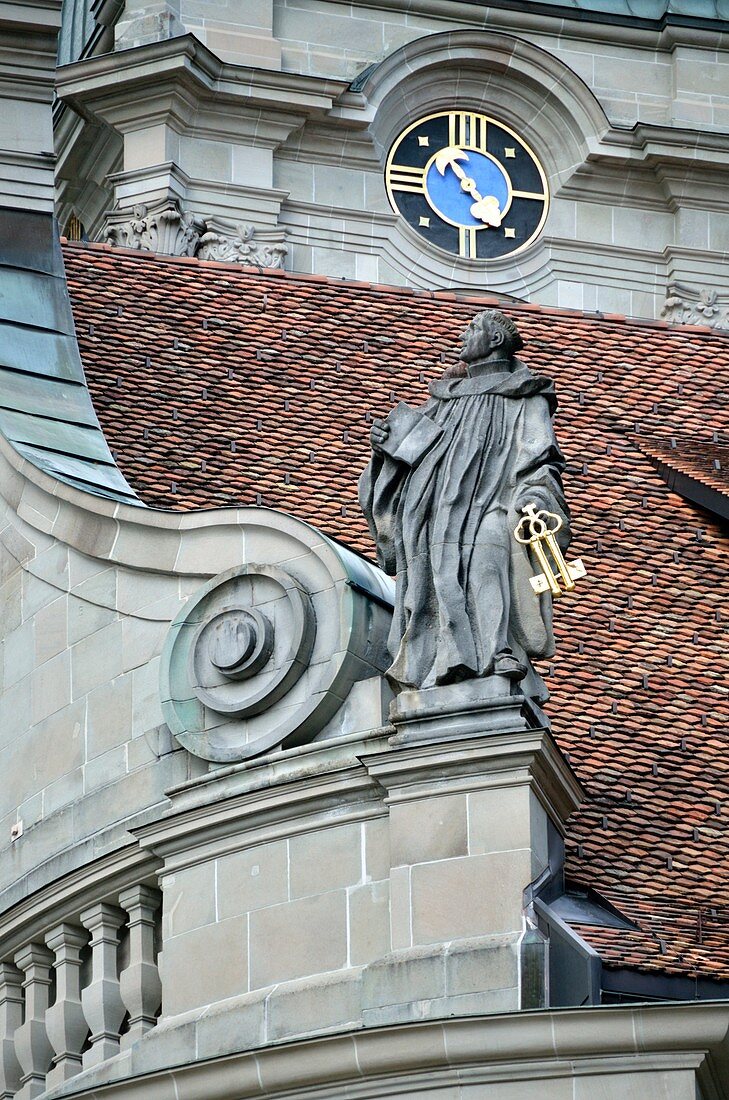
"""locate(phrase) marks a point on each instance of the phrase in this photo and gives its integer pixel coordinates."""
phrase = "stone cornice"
(34, 16)
(526, 1047)
(648, 34)
(176, 78)
(496, 759)
(270, 798)
(140, 538)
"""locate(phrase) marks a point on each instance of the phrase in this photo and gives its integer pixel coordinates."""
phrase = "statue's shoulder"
(518, 384)
(528, 383)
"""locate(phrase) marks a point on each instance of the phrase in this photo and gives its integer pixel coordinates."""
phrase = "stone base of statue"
(470, 708)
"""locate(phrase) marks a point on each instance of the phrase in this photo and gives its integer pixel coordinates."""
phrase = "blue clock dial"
(467, 184)
(467, 187)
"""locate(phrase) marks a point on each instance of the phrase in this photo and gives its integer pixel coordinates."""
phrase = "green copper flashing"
(45, 407)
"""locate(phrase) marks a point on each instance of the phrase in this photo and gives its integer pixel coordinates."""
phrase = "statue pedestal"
(477, 796)
(467, 709)
(476, 816)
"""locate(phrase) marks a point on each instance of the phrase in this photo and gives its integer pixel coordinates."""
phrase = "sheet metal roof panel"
(84, 474)
(55, 435)
(45, 407)
(35, 300)
(28, 240)
(38, 351)
(49, 397)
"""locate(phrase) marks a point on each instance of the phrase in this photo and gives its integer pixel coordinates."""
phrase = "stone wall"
(634, 168)
(86, 603)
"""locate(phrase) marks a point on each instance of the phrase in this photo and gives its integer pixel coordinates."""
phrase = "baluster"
(65, 1021)
(11, 1017)
(101, 1000)
(141, 988)
(32, 1047)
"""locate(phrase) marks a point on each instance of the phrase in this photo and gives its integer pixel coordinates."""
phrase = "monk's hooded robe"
(444, 528)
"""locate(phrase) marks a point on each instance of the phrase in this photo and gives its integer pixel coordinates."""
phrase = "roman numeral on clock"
(467, 130)
(402, 177)
(467, 243)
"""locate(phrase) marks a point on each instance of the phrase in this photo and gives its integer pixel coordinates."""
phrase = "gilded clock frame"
(456, 121)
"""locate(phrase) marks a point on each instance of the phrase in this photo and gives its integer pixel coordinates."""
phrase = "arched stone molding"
(533, 91)
(504, 76)
(198, 544)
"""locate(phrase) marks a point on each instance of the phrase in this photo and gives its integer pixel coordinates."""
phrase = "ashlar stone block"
(96, 659)
(429, 829)
(41, 756)
(300, 938)
(679, 1084)
(51, 686)
(109, 716)
(189, 899)
(203, 966)
(85, 618)
(405, 977)
(51, 630)
(469, 896)
(504, 819)
(18, 653)
(369, 922)
(326, 859)
(401, 912)
(252, 879)
(477, 966)
(377, 849)
(317, 1005)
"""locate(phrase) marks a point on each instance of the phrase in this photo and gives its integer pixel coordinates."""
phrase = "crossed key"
(537, 529)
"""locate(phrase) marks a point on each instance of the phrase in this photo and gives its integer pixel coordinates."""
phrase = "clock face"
(467, 184)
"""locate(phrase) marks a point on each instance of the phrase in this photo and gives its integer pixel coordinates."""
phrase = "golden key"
(540, 529)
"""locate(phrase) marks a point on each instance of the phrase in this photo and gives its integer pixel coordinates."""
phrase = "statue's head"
(490, 332)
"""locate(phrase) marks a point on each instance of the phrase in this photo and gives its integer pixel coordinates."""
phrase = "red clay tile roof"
(706, 462)
(217, 384)
(672, 937)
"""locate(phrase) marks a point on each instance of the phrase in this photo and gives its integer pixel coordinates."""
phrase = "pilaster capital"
(526, 757)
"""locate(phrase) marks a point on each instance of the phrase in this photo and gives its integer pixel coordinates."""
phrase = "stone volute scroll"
(446, 495)
(265, 655)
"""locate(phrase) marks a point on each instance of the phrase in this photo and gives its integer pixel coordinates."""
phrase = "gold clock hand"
(488, 210)
(449, 158)
(485, 208)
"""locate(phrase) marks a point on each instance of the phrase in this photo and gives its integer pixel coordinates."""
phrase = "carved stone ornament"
(447, 489)
(173, 231)
(237, 245)
(166, 229)
(264, 656)
(686, 306)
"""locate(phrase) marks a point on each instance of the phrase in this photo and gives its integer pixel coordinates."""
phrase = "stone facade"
(187, 913)
(280, 117)
(344, 887)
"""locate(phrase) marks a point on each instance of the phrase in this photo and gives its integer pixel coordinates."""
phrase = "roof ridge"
(487, 299)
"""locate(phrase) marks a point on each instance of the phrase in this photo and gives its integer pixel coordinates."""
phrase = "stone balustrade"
(79, 992)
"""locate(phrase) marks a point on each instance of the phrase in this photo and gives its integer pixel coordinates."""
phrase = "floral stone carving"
(167, 229)
(237, 245)
(176, 232)
(686, 306)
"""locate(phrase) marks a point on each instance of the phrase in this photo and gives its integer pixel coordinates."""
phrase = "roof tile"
(201, 355)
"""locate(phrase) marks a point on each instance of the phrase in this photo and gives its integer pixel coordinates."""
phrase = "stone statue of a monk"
(443, 493)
